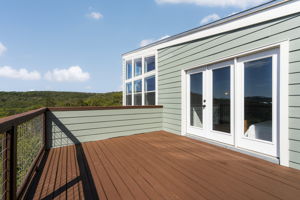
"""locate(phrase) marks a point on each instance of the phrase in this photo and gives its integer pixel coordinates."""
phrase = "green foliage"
(17, 102)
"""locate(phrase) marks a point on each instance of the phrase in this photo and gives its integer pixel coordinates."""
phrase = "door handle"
(203, 106)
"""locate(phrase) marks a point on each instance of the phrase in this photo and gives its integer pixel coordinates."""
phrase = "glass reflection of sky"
(138, 86)
(221, 83)
(129, 88)
(129, 69)
(149, 63)
(150, 84)
(137, 67)
(196, 83)
(258, 78)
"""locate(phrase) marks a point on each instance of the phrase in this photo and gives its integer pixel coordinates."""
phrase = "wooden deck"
(159, 165)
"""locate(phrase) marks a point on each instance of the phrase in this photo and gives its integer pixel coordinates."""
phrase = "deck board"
(160, 165)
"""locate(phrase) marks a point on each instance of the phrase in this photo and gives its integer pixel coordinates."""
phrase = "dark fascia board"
(244, 13)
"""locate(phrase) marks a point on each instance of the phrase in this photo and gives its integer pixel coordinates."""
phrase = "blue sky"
(76, 45)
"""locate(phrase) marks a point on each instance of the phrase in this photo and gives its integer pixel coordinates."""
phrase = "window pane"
(196, 99)
(138, 86)
(150, 83)
(150, 98)
(221, 99)
(138, 67)
(128, 100)
(128, 69)
(258, 99)
(128, 88)
(149, 64)
(138, 99)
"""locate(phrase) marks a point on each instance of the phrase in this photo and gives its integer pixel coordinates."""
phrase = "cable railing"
(22, 140)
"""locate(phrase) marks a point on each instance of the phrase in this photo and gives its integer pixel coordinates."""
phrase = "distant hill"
(16, 102)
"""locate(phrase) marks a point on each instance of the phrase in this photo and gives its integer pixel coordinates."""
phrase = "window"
(140, 86)
(150, 90)
(128, 69)
(137, 67)
(258, 99)
(129, 94)
(196, 99)
(149, 64)
(221, 99)
(138, 92)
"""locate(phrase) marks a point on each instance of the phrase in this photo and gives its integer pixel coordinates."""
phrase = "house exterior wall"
(72, 127)
(172, 60)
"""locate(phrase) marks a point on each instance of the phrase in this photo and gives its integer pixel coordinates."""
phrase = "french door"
(257, 102)
(210, 105)
(235, 102)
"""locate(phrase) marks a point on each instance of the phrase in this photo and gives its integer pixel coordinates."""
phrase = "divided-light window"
(140, 84)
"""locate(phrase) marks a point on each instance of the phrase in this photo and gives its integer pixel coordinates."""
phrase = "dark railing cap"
(82, 108)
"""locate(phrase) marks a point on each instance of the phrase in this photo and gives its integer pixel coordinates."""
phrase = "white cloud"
(23, 74)
(146, 42)
(2, 48)
(210, 18)
(95, 15)
(88, 87)
(72, 74)
(149, 41)
(216, 3)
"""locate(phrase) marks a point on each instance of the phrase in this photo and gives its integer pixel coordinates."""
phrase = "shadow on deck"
(159, 165)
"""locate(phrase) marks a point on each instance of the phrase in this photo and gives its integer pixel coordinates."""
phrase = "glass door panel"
(258, 99)
(221, 99)
(196, 99)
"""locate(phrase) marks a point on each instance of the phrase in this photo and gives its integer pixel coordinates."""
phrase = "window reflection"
(196, 100)
(149, 63)
(258, 99)
(150, 90)
(138, 92)
(128, 94)
(221, 99)
(137, 67)
(128, 69)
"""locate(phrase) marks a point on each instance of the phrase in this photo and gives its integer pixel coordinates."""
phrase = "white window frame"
(142, 76)
(283, 99)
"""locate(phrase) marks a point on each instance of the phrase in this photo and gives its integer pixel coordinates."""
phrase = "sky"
(76, 45)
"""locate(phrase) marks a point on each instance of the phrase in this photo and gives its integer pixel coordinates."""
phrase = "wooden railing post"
(12, 137)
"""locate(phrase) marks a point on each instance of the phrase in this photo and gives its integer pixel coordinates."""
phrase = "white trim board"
(284, 9)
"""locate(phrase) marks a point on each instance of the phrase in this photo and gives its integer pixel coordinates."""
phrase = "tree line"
(17, 102)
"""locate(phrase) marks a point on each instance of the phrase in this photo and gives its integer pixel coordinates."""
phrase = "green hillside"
(17, 102)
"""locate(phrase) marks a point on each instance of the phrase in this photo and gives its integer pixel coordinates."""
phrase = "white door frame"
(261, 146)
(283, 98)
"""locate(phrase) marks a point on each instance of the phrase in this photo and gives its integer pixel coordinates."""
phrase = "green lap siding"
(71, 127)
(172, 60)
